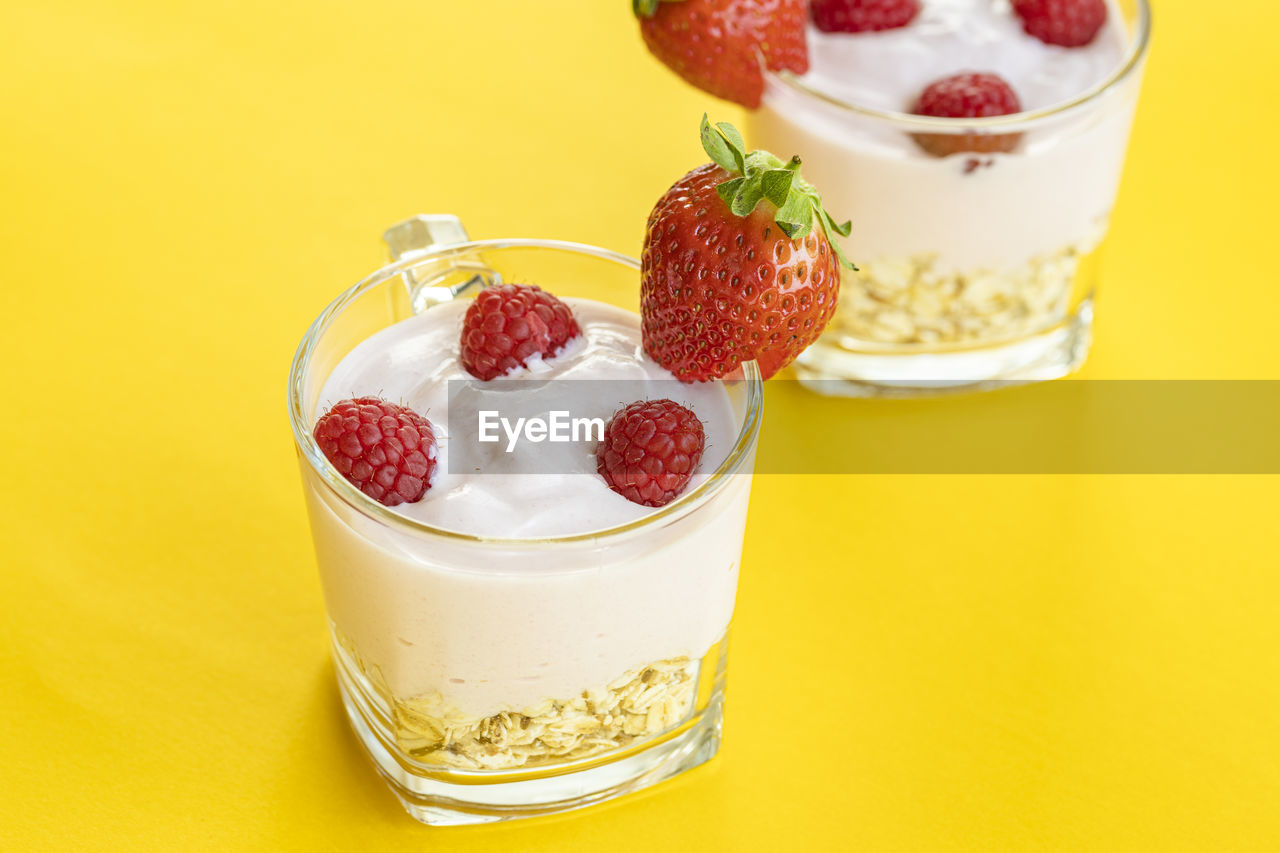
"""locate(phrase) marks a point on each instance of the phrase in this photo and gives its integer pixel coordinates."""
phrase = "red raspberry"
(1069, 23)
(650, 450)
(968, 95)
(386, 451)
(509, 323)
(862, 16)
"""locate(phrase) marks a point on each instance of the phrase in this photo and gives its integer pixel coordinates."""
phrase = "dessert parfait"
(530, 665)
(522, 626)
(977, 146)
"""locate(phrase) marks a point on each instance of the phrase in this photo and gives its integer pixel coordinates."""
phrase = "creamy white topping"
(887, 70)
(412, 363)
(967, 213)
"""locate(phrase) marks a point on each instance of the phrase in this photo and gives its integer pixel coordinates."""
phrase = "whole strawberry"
(720, 45)
(1067, 23)
(862, 16)
(733, 268)
(967, 95)
(650, 450)
(508, 324)
(384, 450)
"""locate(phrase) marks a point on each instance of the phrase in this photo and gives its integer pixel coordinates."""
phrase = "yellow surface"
(919, 663)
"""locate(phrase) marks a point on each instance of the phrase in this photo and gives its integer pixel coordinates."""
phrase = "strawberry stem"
(760, 176)
(648, 8)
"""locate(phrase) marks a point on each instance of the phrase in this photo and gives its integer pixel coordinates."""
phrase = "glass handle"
(422, 232)
(436, 278)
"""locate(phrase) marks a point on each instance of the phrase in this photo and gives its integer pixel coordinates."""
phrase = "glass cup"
(492, 678)
(974, 267)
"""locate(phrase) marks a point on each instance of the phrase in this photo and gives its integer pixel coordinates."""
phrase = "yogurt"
(887, 70)
(519, 494)
(969, 211)
(471, 629)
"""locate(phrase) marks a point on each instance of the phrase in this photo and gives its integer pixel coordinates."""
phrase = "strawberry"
(967, 95)
(650, 450)
(720, 46)
(385, 450)
(733, 268)
(862, 16)
(507, 324)
(1068, 23)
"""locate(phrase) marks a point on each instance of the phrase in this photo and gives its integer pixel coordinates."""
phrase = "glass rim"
(1134, 55)
(299, 420)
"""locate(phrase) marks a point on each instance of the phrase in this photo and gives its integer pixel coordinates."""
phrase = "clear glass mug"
(489, 678)
(975, 267)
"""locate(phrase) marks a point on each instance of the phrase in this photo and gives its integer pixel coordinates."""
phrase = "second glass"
(974, 267)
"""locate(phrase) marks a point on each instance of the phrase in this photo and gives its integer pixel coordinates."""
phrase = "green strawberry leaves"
(648, 8)
(729, 189)
(724, 145)
(777, 183)
(759, 175)
(749, 193)
(795, 216)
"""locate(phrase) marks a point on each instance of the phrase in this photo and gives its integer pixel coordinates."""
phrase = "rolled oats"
(641, 702)
(910, 301)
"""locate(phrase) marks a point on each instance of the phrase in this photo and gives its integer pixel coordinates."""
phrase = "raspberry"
(1068, 23)
(862, 16)
(386, 451)
(650, 450)
(968, 95)
(507, 324)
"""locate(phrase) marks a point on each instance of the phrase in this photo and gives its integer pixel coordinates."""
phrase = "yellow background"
(919, 663)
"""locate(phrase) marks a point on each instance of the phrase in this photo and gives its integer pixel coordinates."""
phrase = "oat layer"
(910, 301)
(640, 703)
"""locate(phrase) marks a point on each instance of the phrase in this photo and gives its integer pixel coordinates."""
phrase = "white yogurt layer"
(989, 211)
(495, 628)
(412, 363)
(887, 70)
